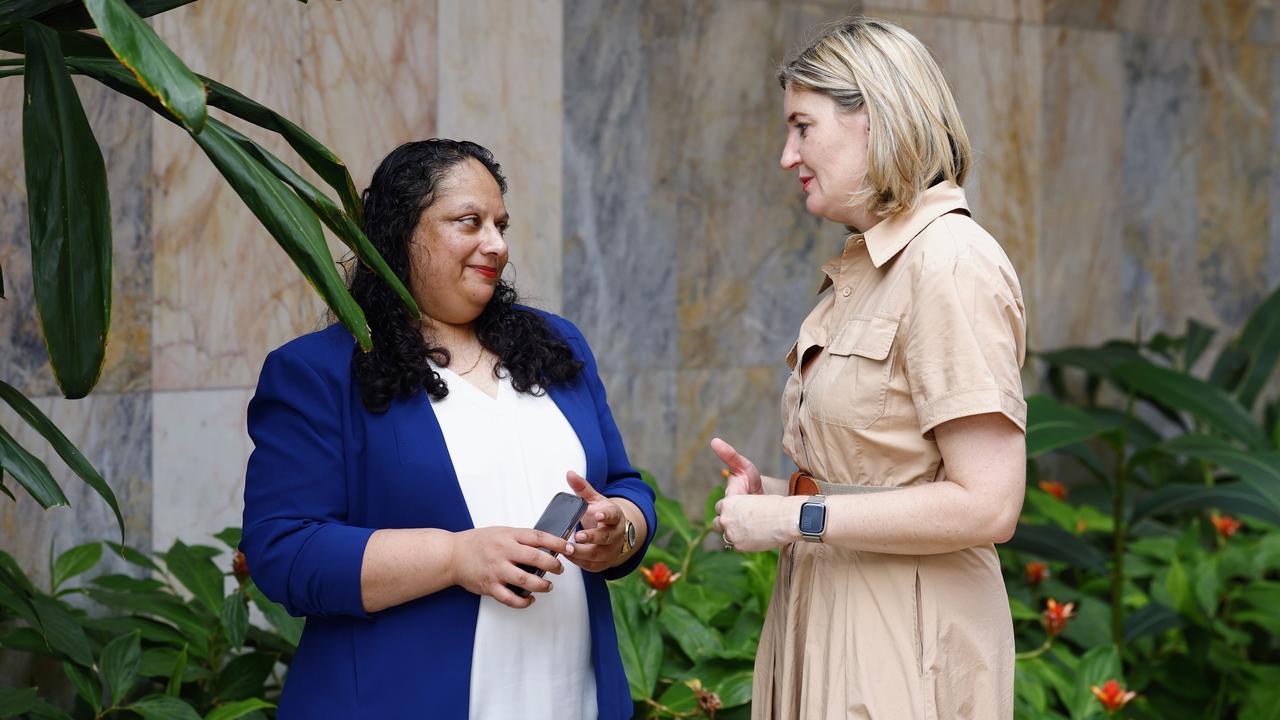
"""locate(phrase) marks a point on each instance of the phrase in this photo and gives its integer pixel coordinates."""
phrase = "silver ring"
(727, 545)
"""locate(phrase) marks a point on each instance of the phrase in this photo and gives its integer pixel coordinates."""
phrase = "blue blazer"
(325, 473)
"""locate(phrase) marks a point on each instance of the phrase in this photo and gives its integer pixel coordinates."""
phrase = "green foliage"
(171, 644)
(696, 637)
(1167, 543)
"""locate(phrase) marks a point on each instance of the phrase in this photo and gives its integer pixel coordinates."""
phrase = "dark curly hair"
(403, 186)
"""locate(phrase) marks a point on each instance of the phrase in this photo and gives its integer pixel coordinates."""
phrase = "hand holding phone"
(560, 518)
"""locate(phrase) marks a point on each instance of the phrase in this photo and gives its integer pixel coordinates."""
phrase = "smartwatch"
(813, 518)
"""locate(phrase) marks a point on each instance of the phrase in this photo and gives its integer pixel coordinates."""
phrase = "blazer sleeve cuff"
(643, 498)
(337, 556)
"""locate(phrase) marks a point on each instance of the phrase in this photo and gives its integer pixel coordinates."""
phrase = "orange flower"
(240, 567)
(1055, 616)
(1037, 572)
(1225, 525)
(1054, 488)
(659, 576)
(1112, 695)
(724, 473)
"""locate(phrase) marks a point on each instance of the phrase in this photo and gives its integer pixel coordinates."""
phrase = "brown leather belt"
(802, 483)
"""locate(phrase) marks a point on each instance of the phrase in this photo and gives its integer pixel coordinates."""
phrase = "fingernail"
(568, 549)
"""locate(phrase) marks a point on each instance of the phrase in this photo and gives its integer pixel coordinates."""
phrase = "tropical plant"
(1158, 567)
(171, 646)
(688, 623)
(69, 209)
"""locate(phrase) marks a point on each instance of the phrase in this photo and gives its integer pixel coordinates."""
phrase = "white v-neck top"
(511, 454)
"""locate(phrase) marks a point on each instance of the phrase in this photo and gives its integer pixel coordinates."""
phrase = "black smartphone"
(560, 518)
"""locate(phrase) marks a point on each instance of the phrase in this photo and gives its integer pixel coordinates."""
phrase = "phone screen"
(560, 518)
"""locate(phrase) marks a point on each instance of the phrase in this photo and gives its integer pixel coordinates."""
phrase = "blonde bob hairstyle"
(916, 136)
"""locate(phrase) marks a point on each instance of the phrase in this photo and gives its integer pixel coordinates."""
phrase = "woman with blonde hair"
(903, 413)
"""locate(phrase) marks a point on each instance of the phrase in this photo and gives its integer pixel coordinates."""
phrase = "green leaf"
(1, 283)
(1097, 361)
(243, 677)
(704, 601)
(696, 639)
(160, 707)
(1096, 667)
(1150, 620)
(289, 221)
(16, 701)
(157, 605)
(1198, 338)
(62, 631)
(1260, 342)
(197, 574)
(135, 557)
(639, 642)
(289, 627)
(119, 663)
(1260, 469)
(235, 618)
(679, 698)
(15, 10)
(66, 450)
(79, 559)
(75, 17)
(178, 674)
(1190, 394)
(30, 473)
(232, 711)
(157, 69)
(86, 684)
(230, 537)
(730, 680)
(1051, 425)
(343, 227)
(1053, 543)
(1232, 497)
(70, 217)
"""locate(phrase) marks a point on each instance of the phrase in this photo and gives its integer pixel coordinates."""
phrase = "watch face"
(813, 518)
(631, 535)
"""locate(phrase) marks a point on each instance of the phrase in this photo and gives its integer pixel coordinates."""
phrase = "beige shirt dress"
(924, 323)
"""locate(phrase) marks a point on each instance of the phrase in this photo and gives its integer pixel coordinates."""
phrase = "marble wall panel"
(740, 405)
(619, 251)
(1235, 178)
(747, 249)
(200, 448)
(114, 433)
(225, 292)
(644, 406)
(1163, 111)
(1274, 255)
(1027, 11)
(122, 128)
(1226, 20)
(501, 85)
(1076, 289)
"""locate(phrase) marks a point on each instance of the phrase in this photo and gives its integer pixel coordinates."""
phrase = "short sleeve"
(965, 343)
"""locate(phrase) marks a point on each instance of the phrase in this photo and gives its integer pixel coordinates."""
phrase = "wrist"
(451, 541)
(791, 519)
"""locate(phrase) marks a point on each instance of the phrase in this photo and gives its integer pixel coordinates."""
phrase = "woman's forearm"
(939, 517)
(405, 564)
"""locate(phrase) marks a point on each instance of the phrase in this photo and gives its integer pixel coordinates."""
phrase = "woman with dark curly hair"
(390, 494)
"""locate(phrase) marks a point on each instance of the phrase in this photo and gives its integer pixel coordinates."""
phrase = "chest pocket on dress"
(854, 382)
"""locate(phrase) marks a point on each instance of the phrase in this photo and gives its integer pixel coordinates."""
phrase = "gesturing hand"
(744, 478)
(598, 546)
(485, 562)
